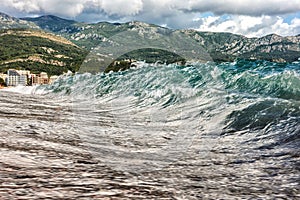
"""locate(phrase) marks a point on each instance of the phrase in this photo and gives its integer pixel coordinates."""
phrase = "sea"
(156, 131)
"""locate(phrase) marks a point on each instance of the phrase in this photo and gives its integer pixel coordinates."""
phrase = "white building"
(43, 78)
(17, 77)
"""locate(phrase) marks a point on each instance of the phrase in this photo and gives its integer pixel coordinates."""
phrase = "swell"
(254, 78)
(267, 79)
(258, 98)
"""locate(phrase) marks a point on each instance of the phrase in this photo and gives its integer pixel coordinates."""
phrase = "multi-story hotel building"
(23, 77)
(17, 77)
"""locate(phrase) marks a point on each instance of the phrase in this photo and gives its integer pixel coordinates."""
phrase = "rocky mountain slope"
(85, 35)
(52, 23)
(38, 51)
(220, 46)
(227, 46)
(8, 22)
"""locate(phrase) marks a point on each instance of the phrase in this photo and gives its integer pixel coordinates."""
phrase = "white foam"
(22, 89)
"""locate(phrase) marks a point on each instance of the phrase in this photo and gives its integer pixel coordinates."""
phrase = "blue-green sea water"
(200, 131)
(258, 98)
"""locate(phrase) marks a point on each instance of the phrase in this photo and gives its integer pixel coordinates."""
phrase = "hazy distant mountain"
(8, 22)
(227, 46)
(221, 46)
(52, 23)
(38, 51)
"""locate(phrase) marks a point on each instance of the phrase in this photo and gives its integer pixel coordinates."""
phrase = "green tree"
(2, 82)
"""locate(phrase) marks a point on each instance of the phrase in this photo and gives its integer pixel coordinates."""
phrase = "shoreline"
(6, 87)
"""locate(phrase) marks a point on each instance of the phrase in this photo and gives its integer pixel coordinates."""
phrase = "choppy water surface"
(205, 131)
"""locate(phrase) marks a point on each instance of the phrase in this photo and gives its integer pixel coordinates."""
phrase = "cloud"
(121, 7)
(247, 17)
(134, 7)
(249, 26)
(70, 8)
(73, 8)
(244, 7)
(22, 6)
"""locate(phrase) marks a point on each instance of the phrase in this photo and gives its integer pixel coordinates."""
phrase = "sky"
(252, 18)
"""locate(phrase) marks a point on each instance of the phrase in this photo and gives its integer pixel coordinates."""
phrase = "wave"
(264, 78)
(22, 89)
(255, 78)
(259, 99)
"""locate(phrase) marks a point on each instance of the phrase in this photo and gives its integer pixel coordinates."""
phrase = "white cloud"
(250, 26)
(121, 7)
(296, 22)
(69, 8)
(244, 7)
(133, 7)
(247, 17)
(73, 8)
(23, 6)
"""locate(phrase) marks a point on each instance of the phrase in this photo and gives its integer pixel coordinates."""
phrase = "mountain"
(8, 22)
(52, 23)
(38, 51)
(152, 43)
(84, 35)
(221, 46)
(227, 46)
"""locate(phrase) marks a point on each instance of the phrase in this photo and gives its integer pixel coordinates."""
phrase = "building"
(44, 75)
(33, 79)
(52, 79)
(24, 72)
(23, 77)
(43, 78)
(38, 79)
(17, 77)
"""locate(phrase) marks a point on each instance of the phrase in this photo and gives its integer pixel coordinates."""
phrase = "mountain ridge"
(50, 22)
(9, 22)
(222, 46)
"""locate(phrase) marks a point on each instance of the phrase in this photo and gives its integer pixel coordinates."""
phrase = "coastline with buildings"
(15, 78)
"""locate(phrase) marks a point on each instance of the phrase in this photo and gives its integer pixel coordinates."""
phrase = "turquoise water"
(240, 120)
(202, 131)
(260, 97)
(263, 92)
